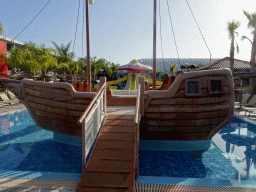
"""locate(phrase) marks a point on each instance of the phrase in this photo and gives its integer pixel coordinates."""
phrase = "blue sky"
(122, 30)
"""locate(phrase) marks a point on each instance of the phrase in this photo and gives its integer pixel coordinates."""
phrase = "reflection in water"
(239, 140)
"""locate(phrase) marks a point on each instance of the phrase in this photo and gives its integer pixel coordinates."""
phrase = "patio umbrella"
(134, 66)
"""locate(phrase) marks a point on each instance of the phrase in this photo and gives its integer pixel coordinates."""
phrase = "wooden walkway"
(111, 166)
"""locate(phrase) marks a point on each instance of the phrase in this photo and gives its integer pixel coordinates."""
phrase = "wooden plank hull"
(53, 106)
(175, 115)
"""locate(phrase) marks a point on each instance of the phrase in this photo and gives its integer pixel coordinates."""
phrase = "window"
(215, 85)
(193, 87)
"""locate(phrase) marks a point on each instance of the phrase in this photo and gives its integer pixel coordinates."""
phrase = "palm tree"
(64, 57)
(252, 25)
(82, 63)
(31, 59)
(96, 65)
(1, 28)
(232, 26)
(173, 68)
(158, 73)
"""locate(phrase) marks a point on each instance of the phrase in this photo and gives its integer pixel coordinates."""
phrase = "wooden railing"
(92, 120)
(138, 110)
(64, 75)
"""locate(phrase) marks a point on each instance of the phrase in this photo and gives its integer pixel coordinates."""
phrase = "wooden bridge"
(112, 165)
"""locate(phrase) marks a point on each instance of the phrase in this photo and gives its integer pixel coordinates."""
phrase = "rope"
(161, 37)
(76, 26)
(200, 31)
(173, 33)
(30, 21)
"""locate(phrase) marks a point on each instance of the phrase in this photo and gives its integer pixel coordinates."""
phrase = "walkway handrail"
(93, 102)
(92, 121)
(137, 108)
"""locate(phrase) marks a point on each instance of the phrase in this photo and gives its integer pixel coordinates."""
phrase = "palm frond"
(57, 47)
(244, 37)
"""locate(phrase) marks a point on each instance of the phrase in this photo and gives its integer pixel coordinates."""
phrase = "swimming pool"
(26, 150)
(29, 151)
(229, 161)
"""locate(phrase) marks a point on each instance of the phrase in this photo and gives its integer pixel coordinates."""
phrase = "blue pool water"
(231, 157)
(26, 150)
(24, 146)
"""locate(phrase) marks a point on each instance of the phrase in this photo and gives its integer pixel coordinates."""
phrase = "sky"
(122, 30)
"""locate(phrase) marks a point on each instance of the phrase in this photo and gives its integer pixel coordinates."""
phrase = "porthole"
(193, 87)
(215, 86)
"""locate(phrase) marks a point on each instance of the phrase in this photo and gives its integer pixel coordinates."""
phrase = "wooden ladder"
(111, 166)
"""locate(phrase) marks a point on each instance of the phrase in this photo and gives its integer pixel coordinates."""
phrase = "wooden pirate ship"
(195, 107)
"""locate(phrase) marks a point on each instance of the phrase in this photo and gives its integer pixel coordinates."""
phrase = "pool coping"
(195, 181)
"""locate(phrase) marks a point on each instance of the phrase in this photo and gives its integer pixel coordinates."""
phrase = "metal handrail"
(137, 109)
(93, 102)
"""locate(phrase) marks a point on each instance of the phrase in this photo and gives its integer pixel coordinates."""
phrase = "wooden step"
(103, 189)
(117, 136)
(120, 180)
(128, 145)
(115, 116)
(118, 128)
(112, 154)
(111, 165)
(119, 122)
(101, 165)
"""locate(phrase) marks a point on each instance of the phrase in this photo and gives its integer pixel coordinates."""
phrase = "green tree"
(173, 68)
(32, 59)
(96, 65)
(159, 73)
(1, 29)
(63, 53)
(82, 66)
(252, 25)
(64, 56)
(199, 65)
(232, 26)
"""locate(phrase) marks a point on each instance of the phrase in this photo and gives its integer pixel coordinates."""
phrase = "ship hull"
(176, 114)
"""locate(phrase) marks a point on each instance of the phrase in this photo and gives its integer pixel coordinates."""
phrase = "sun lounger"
(247, 101)
(11, 95)
(6, 101)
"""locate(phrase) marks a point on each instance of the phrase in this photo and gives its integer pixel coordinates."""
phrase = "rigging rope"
(30, 22)
(200, 31)
(161, 38)
(173, 33)
(76, 26)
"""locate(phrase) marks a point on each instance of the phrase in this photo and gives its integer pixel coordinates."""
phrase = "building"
(163, 64)
(10, 43)
(241, 68)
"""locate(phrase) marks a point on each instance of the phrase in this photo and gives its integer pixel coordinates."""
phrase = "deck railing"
(92, 121)
(138, 109)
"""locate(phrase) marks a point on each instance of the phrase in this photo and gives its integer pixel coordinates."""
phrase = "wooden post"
(102, 81)
(142, 91)
(83, 145)
(75, 78)
(55, 77)
(88, 48)
(154, 48)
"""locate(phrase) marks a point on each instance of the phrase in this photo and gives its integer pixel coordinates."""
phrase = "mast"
(88, 46)
(154, 47)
